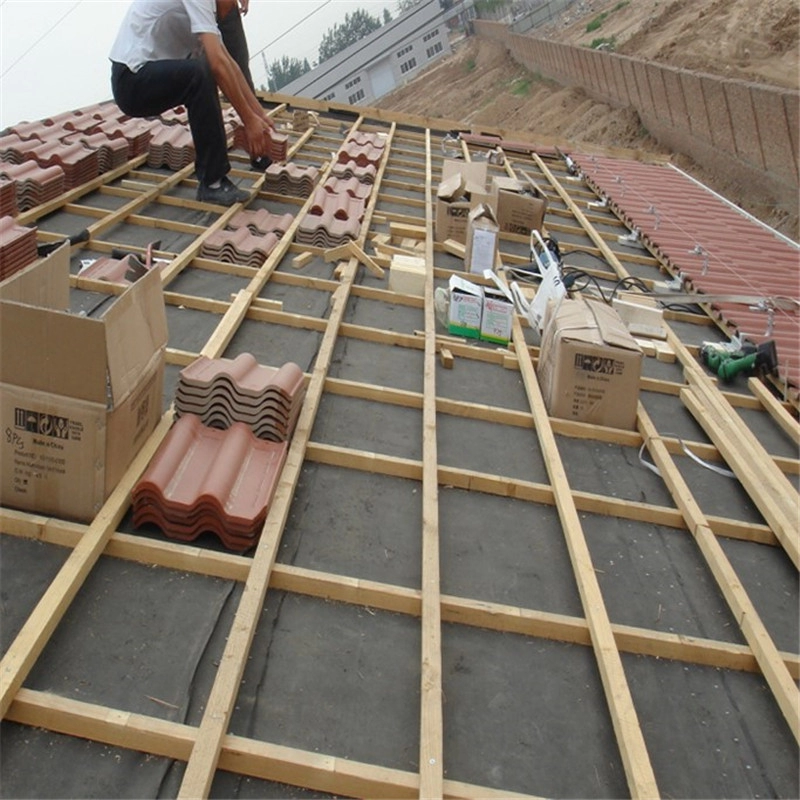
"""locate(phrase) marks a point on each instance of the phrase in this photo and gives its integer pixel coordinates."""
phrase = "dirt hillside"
(756, 40)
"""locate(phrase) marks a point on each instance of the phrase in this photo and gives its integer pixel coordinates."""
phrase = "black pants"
(235, 41)
(161, 85)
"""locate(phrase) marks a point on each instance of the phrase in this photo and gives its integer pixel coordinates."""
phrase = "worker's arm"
(229, 78)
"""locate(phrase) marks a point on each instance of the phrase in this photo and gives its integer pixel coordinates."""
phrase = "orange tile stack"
(17, 247)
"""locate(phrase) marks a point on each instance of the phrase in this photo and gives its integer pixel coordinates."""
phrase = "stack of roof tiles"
(289, 179)
(261, 221)
(205, 479)
(337, 208)
(350, 169)
(277, 148)
(171, 146)
(224, 391)
(17, 247)
(218, 467)
(13, 148)
(239, 247)
(8, 198)
(79, 164)
(111, 153)
(136, 132)
(33, 184)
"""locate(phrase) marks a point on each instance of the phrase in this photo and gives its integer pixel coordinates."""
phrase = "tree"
(405, 5)
(387, 16)
(355, 27)
(285, 70)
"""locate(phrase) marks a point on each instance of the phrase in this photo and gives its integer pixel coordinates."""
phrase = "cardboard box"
(519, 207)
(466, 308)
(407, 275)
(78, 395)
(497, 316)
(463, 185)
(589, 365)
(483, 237)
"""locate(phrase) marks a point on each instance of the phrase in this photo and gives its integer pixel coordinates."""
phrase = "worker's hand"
(257, 135)
(243, 6)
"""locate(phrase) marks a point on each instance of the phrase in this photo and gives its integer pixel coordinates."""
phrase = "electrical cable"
(44, 35)
(289, 30)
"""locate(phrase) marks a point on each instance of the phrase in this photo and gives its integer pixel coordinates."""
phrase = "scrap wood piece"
(302, 259)
(337, 253)
(454, 248)
(357, 253)
(446, 357)
(404, 230)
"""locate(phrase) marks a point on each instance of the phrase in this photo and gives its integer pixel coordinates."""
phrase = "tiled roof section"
(290, 179)
(239, 247)
(34, 184)
(17, 247)
(79, 164)
(261, 221)
(223, 391)
(171, 146)
(350, 169)
(351, 186)
(206, 479)
(720, 250)
(363, 139)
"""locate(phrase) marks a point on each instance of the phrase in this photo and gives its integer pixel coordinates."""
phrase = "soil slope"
(755, 40)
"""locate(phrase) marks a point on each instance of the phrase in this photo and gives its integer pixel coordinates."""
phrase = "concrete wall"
(744, 129)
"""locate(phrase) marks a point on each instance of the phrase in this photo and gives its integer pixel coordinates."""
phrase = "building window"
(354, 98)
(352, 83)
(329, 96)
(406, 66)
(437, 48)
(430, 35)
(405, 50)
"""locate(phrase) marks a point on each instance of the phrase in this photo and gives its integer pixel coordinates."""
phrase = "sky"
(54, 53)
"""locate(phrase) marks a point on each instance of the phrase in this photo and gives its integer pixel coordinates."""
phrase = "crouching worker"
(170, 53)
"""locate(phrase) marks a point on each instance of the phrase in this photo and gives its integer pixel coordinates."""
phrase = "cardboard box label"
(497, 318)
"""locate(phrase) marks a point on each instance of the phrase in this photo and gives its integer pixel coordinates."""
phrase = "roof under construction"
(453, 593)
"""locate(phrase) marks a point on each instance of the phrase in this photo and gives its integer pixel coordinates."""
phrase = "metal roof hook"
(699, 250)
(654, 211)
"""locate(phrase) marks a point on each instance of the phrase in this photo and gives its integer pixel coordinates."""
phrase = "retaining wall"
(747, 130)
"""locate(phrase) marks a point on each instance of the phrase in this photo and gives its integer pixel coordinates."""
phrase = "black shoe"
(261, 163)
(226, 194)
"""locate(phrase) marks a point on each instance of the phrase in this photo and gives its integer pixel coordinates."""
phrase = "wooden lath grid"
(402, 196)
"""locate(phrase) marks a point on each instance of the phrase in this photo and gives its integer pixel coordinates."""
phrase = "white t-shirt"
(156, 30)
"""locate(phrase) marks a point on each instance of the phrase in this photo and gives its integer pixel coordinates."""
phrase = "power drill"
(728, 363)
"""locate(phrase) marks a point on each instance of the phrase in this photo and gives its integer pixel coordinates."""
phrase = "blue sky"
(54, 53)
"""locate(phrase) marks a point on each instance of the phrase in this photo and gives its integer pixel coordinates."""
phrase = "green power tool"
(729, 360)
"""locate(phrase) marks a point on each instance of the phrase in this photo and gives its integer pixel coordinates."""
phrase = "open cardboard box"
(462, 186)
(78, 395)
(520, 206)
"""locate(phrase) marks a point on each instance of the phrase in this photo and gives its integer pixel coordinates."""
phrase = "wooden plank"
(205, 754)
(446, 358)
(261, 760)
(787, 423)
(431, 739)
(395, 599)
(357, 253)
(774, 670)
(759, 476)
